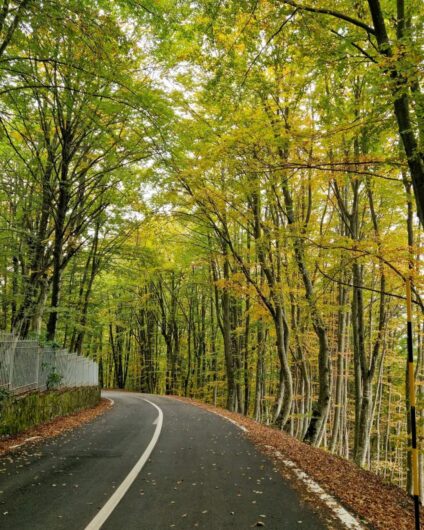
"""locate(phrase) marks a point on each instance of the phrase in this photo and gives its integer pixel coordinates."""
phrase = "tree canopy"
(223, 200)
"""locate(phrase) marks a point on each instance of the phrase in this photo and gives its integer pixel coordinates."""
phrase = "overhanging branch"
(331, 13)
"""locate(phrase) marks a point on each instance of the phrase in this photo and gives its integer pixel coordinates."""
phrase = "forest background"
(223, 200)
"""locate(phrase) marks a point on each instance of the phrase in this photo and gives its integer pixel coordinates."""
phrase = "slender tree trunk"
(341, 345)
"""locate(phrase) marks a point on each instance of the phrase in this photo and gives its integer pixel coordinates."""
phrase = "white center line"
(112, 503)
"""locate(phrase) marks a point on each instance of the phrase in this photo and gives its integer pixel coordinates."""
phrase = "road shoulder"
(375, 503)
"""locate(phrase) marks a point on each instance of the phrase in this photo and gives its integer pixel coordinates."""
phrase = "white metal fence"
(25, 366)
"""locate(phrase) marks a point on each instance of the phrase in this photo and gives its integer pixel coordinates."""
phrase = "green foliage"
(173, 172)
(54, 379)
(4, 394)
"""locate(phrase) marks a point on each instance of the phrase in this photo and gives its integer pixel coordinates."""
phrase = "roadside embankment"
(19, 413)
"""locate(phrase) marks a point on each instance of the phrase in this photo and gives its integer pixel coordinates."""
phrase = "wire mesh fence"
(26, 366)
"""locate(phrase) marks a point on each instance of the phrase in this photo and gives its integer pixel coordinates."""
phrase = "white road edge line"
(241, 427)
(32, 438)
(112, 503)
(347, 519)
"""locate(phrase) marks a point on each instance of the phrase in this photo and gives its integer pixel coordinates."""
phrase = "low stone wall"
(22, 412)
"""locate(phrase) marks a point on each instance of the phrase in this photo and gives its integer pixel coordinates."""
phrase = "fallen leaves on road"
(383, 506)
(54, 427)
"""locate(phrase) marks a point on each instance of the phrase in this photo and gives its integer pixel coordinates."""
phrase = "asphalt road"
(202, 474)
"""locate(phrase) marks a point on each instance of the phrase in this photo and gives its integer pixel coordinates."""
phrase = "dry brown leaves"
(383, 506)
(54, 427)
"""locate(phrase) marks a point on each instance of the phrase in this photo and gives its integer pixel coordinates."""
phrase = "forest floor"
(379, 505)
(52, 428)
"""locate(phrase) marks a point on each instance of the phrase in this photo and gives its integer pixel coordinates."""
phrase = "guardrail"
(26, 366)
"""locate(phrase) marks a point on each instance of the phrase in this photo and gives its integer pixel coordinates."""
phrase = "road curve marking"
(112, 503)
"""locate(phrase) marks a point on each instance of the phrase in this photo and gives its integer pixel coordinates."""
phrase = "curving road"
(202, 473)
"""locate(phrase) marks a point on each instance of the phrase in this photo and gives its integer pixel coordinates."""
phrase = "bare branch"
(332, 13)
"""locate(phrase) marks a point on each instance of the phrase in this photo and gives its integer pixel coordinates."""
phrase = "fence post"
(37, 369)
(11, 362)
